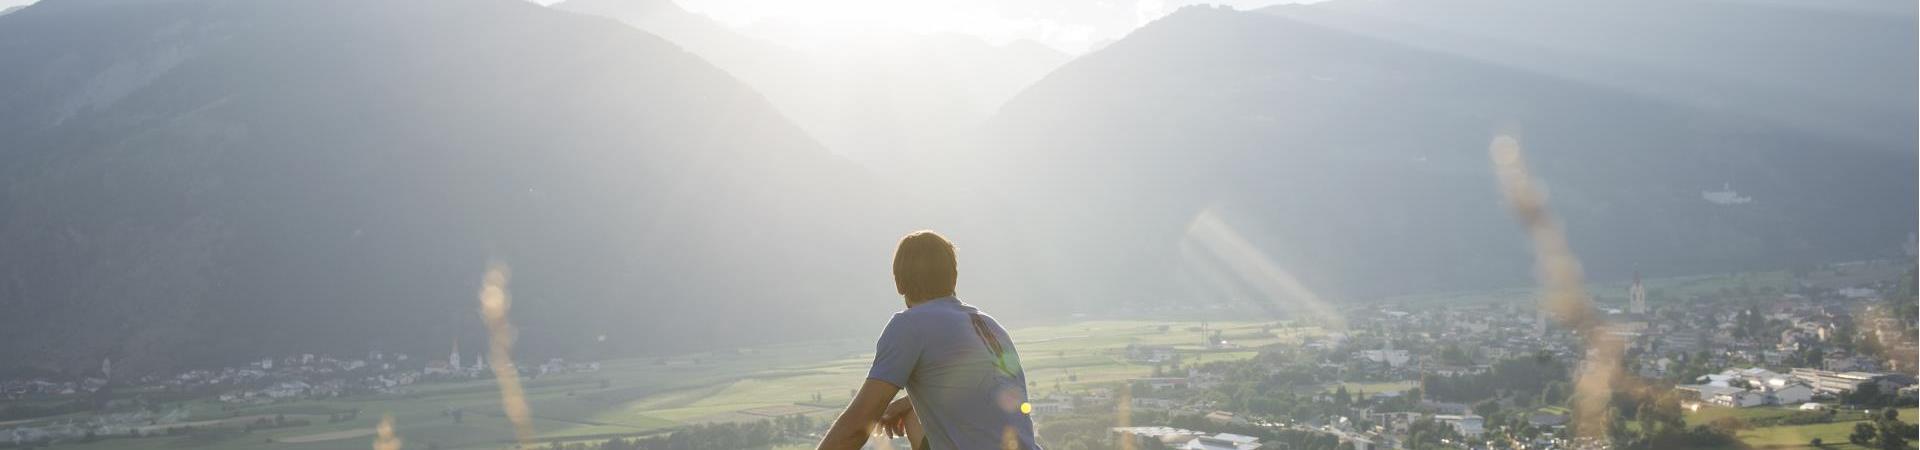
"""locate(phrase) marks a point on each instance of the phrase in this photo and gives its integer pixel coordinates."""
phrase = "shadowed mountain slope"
(1356, 162)
(195, 180)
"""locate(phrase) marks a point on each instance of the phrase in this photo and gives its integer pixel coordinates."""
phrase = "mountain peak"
(641, 10)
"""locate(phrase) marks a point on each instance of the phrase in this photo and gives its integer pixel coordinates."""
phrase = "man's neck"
(914, 303)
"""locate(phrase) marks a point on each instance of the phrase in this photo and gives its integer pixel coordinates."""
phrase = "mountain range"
(1348, 145)
(188, 182)
(194, 181)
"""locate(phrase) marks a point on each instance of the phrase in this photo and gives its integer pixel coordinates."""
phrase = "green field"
(1371, 388)
(1709, 414)
(1832, 435)
(1613, 291)
(651, 395)
(645, 396)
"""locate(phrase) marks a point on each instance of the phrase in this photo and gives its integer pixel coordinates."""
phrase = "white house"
(1358, 442)
(1151, 353)
(1223, 441)
(1468, 425)
(1792, 394)
(286, 389)
(1741, 399)
(1047, 406)
(1393, 358)
(1162, 383)
(1726, 395)
(1155, 403)
(1747, 378)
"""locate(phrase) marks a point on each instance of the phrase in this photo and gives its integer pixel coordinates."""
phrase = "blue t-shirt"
(966, 397)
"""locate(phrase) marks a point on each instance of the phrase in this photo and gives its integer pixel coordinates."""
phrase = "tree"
(1868, 395)
(1615, 428)
(1551, 394)
(1891, 439)
(1892, 434)
(1453, 354)
(1863, 434)
(1487, 408)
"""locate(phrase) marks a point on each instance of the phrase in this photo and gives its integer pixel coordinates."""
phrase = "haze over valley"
(187, 166)
(196, 184)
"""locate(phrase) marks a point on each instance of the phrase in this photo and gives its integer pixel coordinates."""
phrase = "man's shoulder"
(927, 316)
(915, 315)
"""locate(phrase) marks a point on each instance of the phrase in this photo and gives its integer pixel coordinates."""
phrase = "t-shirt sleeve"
(895, 354)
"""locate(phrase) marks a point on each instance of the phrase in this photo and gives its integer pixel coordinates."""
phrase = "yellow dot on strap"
(1026, 408)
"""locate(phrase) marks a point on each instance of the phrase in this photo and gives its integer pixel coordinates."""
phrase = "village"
(139, 404)
(1812, 350)
(1771, 359)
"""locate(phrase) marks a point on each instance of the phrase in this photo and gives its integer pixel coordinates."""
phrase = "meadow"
(643, 396)
(1832, 435)
(654, 395)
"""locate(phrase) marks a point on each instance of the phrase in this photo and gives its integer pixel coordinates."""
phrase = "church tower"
(1638, 296)
(1540, 320)
(453, 361)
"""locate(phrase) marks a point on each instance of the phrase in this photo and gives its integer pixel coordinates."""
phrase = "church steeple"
(1637, 296)
(453, 361)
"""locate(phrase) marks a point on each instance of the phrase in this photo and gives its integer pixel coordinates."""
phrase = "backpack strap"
(993, 344)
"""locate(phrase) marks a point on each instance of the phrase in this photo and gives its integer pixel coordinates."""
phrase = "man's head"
(924, 267)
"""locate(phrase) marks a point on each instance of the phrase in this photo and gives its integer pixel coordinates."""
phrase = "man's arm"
(850, 431)
(894, 420)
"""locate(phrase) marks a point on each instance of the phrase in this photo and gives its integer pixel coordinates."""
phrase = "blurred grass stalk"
(494, 303)
(384, 439)
(1564, 295)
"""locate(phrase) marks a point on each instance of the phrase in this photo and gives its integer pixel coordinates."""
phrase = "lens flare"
(1227, 260)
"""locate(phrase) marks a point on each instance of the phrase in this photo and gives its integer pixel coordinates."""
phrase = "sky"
(1072, 26)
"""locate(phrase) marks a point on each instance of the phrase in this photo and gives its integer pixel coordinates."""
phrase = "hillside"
(1357, 164)
(1819, 67)
(190, 181)
(196, 181)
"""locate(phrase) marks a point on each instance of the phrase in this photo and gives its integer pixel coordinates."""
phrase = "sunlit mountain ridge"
(193, 181)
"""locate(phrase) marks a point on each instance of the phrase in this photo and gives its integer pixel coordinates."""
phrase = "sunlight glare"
(1211, 238)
